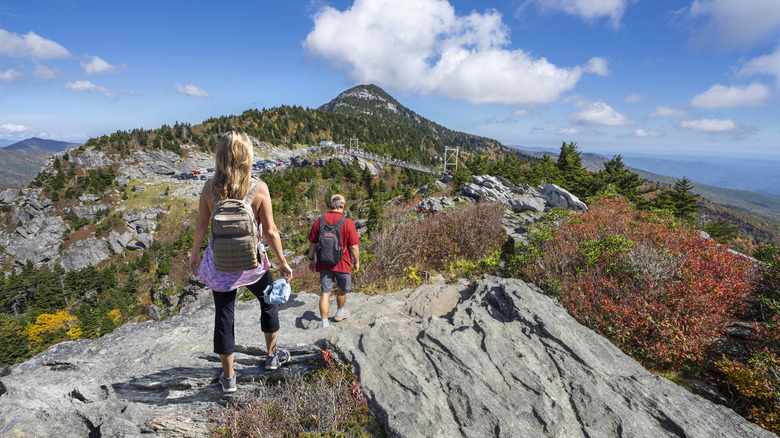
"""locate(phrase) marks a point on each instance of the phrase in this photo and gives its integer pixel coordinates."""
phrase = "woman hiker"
(231, 180)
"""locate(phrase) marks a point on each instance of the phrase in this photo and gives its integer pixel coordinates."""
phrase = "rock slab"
(496, 358)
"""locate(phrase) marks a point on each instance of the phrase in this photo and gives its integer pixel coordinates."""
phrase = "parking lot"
(268, 165)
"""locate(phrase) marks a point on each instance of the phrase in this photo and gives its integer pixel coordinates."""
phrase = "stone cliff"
(493, 358)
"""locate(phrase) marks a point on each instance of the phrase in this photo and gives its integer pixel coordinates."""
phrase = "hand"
(312, 266)
(357, 266)
(194, 262)
(286, 271)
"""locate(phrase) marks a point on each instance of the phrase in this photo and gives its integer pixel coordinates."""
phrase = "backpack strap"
(339, 224)
(322, 226)
(251, 191)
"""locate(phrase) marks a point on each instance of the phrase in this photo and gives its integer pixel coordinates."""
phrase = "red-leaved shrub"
(656, 289)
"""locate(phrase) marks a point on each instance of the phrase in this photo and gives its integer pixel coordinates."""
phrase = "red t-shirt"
(349, 237)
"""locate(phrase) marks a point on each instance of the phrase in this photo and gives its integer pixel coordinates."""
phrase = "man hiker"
(334, 261)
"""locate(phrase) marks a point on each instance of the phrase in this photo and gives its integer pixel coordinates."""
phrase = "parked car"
(203, 177)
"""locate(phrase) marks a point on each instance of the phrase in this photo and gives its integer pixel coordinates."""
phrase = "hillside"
(19, 167)
(22, 160)
(750, 202)
(745, 209)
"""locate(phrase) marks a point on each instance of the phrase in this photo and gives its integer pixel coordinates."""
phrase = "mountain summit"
(374, 101)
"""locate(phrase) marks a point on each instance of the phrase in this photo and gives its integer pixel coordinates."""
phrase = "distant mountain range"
(22, 160)
(42, 144)
(728, 186)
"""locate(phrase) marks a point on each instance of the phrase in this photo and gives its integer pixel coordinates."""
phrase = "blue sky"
(616, 76)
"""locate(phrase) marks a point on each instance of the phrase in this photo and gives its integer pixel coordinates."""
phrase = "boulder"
(88, 211)
(558, 197)
(492, 358)
(90, 159)
(83, 253)
(8, 196)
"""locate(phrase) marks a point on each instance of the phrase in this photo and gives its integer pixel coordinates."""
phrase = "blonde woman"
(231, 180)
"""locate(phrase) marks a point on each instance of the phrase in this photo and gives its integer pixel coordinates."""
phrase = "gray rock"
(499, 359)
(83, 253)
(530, 201)
(89, 198)
(558, 197)
(8, 196)
(90, 159)
(88, 211)
(118, 242)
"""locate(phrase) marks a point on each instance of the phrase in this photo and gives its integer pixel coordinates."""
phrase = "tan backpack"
(234, 239)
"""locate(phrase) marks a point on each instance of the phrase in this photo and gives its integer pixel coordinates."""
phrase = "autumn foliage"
(658, 290)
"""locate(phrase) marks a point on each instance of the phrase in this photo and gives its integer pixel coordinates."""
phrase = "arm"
(354, 252)
(204, 214)
(270, 232)
(312, 255)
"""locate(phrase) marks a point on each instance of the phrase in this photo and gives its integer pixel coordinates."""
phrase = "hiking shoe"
(274, 362)
(228, 385)
(341, 317)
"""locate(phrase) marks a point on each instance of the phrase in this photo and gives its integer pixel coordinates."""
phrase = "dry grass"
(326, 402)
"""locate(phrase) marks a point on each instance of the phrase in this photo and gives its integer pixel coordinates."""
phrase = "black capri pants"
(225, 310)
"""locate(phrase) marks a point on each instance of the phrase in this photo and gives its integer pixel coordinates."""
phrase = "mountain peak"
(368, 99)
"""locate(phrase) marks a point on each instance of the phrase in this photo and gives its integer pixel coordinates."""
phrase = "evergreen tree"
(572, 176)
(680, 200)
(616, 173)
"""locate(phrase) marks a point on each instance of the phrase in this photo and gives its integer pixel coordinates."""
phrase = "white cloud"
(47, 74)
(422, 46)
(587, 9)
(767, 64)
(10, 75)
(30, 45)
(527, 111)
(599, 113)
(709, 125)
(90, 87)
(10, 128)
(647, 133)
(735, 23)
(720, 96)
(97, 66)
(192, 91)
(575, 131)
(634, 98)
(667, 111)
(597, 66)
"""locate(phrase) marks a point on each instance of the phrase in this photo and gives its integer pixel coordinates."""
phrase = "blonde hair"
(233, 167)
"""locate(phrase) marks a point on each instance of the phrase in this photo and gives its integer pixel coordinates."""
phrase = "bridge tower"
(451, 157)
(353, 145)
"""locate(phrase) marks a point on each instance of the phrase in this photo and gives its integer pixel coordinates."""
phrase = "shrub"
(657, 290)
(326, 402)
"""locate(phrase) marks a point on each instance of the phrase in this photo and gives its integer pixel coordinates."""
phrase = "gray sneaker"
(341, 317)
(274, 362)
(228, 385)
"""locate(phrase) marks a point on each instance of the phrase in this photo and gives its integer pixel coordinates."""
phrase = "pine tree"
(616, 173)
(680, 200)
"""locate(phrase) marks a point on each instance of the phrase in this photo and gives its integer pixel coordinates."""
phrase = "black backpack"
(329, 250)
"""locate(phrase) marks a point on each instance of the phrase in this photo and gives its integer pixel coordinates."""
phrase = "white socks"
(325, 322)
(339, 312)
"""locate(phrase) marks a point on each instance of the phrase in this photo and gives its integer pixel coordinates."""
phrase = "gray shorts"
(343, 280)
